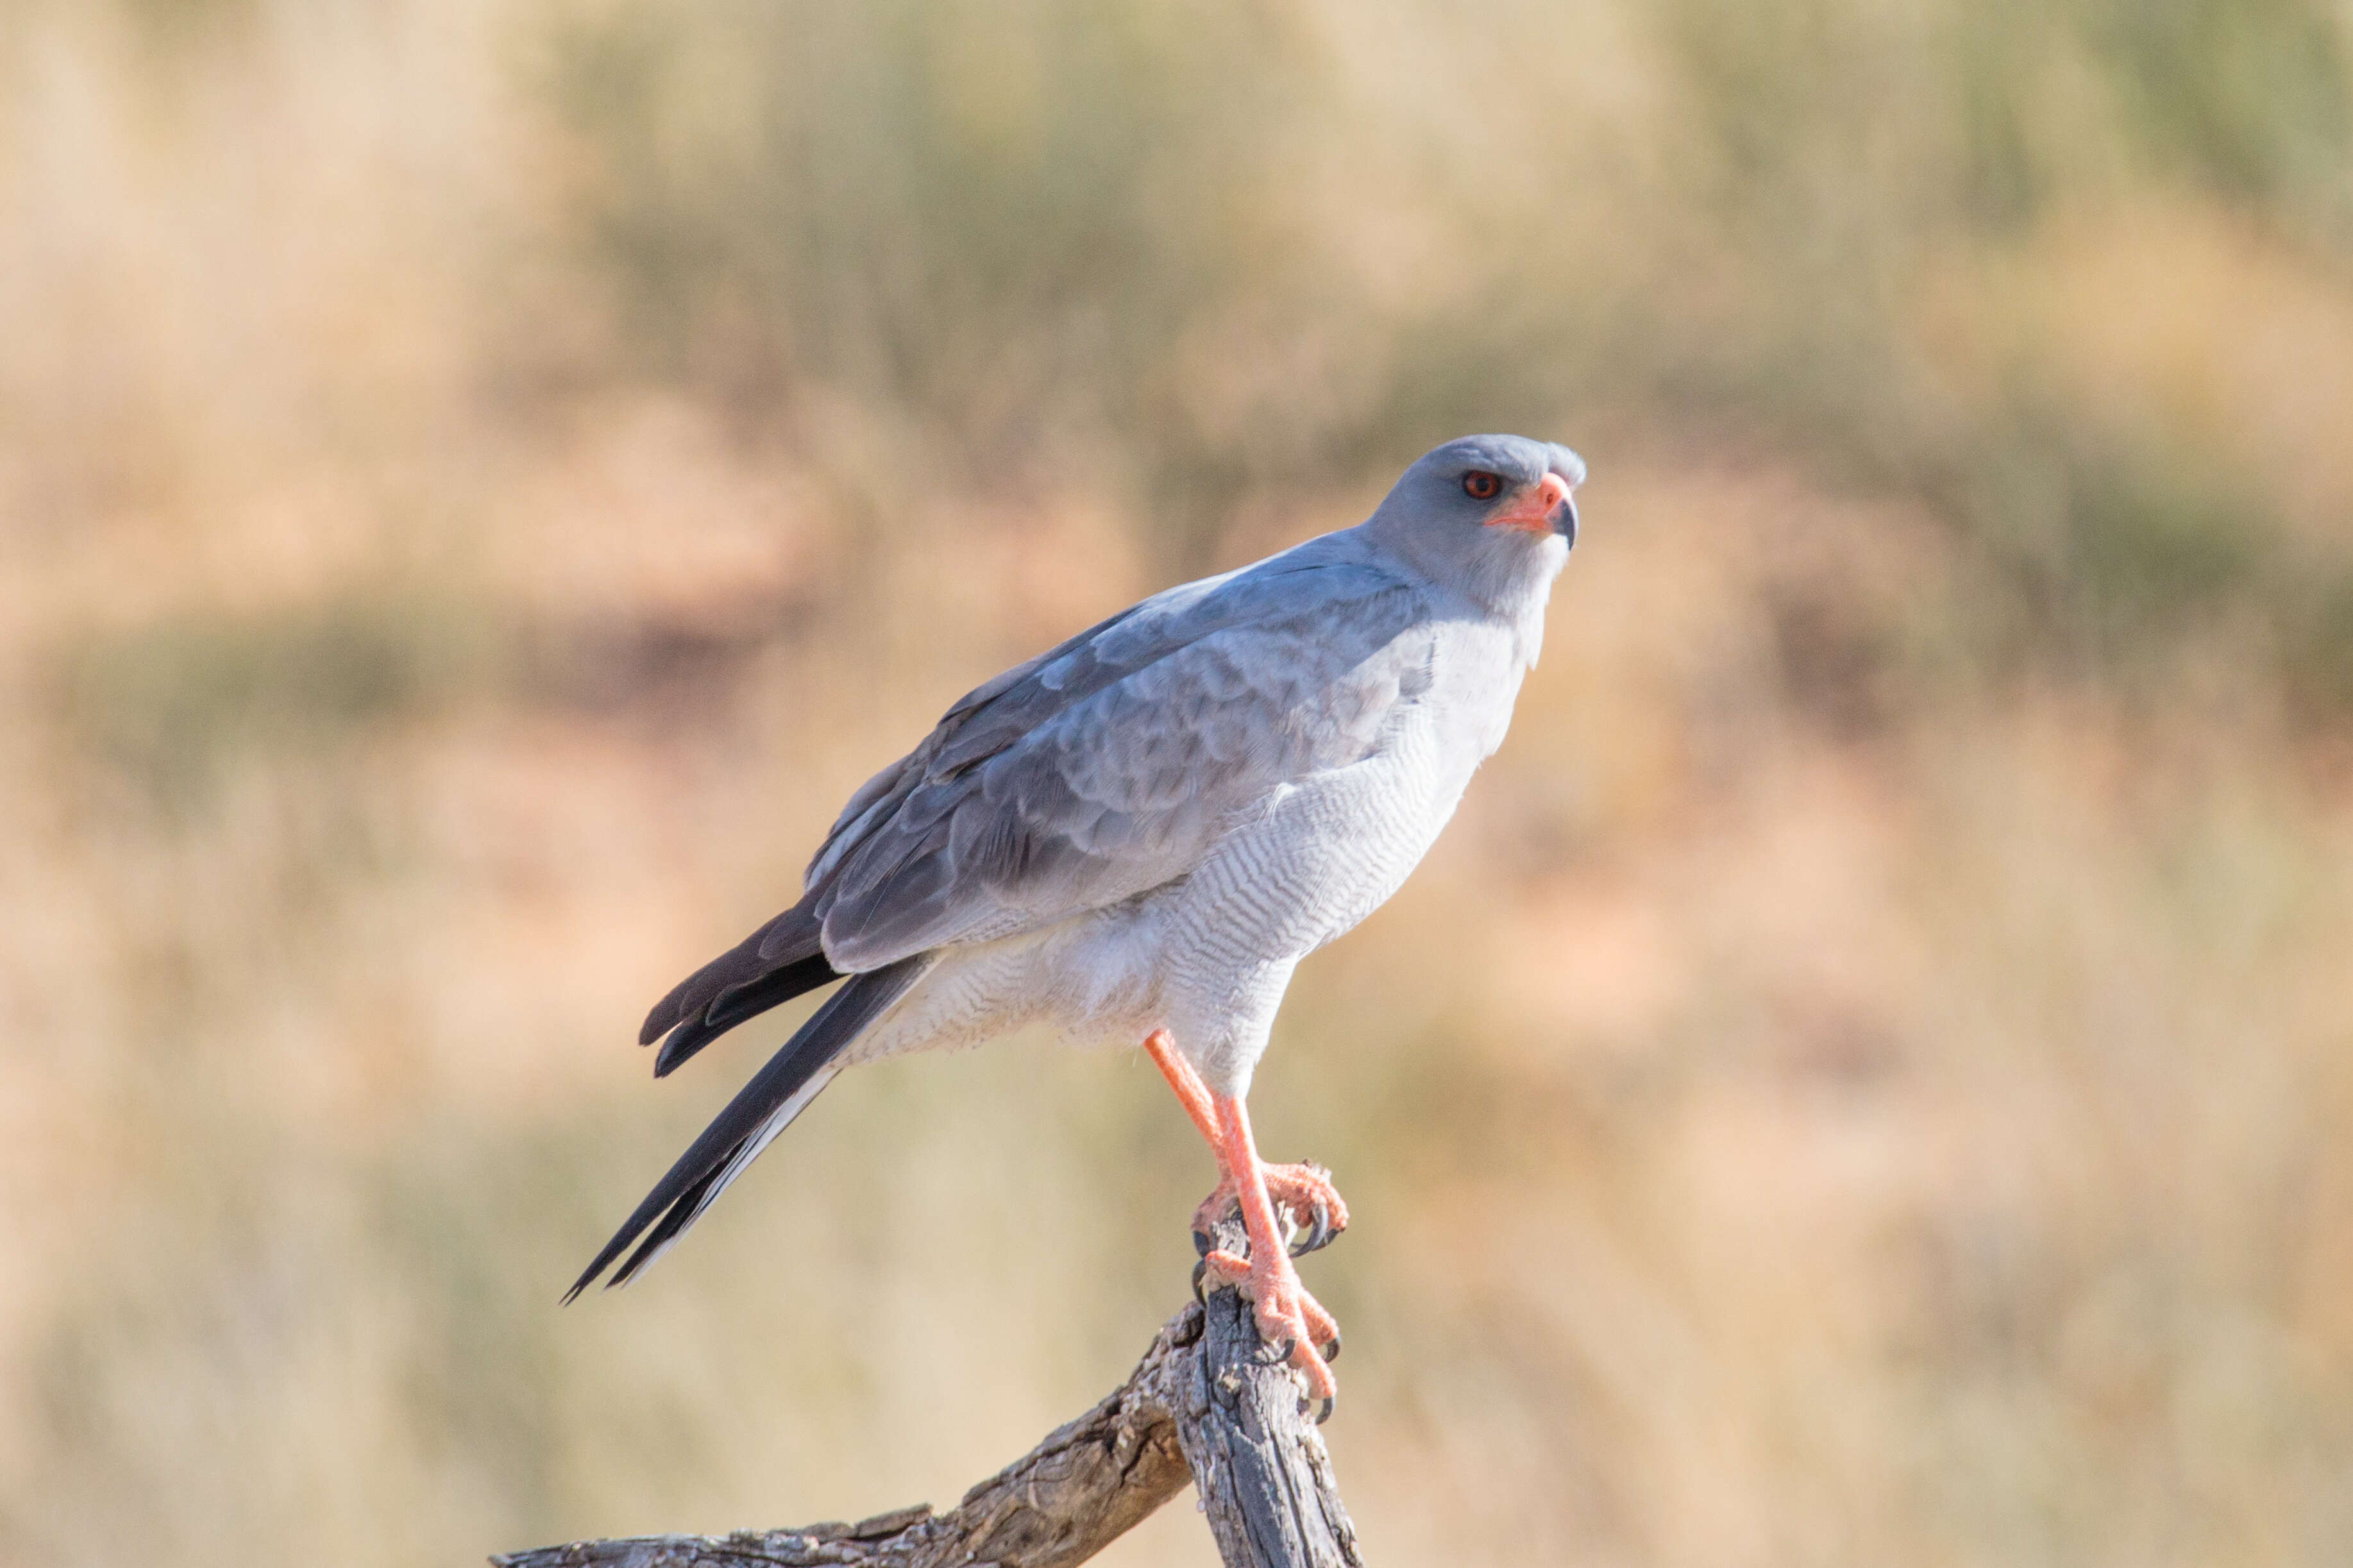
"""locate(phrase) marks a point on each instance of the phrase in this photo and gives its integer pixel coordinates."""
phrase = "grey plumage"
(1101, 769)
(1146, 826)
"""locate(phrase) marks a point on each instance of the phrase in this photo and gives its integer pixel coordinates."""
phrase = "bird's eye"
(1481, 485)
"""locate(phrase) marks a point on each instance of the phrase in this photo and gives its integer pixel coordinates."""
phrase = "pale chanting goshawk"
(1138, 835)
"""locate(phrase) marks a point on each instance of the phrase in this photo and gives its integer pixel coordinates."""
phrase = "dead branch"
(1208, 1399)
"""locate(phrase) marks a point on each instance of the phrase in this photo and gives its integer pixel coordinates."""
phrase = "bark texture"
(1256, 1457)
(1208, 1400)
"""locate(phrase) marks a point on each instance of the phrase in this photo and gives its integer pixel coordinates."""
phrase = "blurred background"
(1867, 1080)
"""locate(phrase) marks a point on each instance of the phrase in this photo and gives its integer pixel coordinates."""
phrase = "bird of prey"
(1138, 835)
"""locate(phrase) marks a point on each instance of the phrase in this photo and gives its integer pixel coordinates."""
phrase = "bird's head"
(1489, 514)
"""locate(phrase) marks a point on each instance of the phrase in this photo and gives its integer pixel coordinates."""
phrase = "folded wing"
(1109, 765)
(1101, 769)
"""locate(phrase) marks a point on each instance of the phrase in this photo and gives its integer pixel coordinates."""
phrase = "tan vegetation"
(1867, 1080)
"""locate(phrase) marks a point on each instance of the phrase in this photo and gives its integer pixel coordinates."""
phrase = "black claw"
(1201, 1242)
(1331, 1351)
(1319, 1234)
(1322, 1416)
(1200, 1271)
(1316, 1235)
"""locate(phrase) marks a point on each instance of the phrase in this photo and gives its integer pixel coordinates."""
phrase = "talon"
(1320, 1384)
(1324, 1415)
(1319, 1234)
(1307, 1198)
(1302, 1237)
(1285, 1210)
(1199, 1270)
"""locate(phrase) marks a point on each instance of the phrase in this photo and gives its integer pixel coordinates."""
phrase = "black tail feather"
(758, 1114)
(745, 1000)
(791, 938)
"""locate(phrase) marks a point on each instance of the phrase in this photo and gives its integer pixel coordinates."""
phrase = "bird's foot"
(1288, 1317)
(1303, 1194)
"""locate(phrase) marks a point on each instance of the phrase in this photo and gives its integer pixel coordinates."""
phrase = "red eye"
(1481, 485)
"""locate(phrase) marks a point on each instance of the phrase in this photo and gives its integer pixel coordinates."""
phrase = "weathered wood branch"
(1208, 1399)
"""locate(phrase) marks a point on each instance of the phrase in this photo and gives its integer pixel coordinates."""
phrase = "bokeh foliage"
(1865, 1080)
(1059, 234)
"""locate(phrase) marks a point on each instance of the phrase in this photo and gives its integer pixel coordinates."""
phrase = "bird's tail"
(770, 967)
(766, 1106)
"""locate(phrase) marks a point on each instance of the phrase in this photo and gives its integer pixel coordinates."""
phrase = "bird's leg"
(1190, 1090)
(1193, 1096)
(1305, 1191)
(1286, 1312)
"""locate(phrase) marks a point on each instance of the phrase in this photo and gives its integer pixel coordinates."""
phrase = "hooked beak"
(1544, 508)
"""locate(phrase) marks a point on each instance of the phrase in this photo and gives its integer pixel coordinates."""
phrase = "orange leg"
(1286, 1312)
(1305, 1191)
(1190, 1090)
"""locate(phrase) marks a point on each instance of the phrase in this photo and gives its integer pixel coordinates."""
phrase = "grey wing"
(1108, 766)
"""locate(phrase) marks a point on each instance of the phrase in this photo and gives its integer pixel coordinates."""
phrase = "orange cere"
(1533, 513)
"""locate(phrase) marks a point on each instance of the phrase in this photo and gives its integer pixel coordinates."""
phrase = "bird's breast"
(1325, 850)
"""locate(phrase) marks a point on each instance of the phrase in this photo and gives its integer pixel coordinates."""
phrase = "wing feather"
(1105, 766)
(1096, 771)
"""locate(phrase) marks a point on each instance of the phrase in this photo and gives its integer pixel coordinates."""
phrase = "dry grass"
(1867, 1079)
